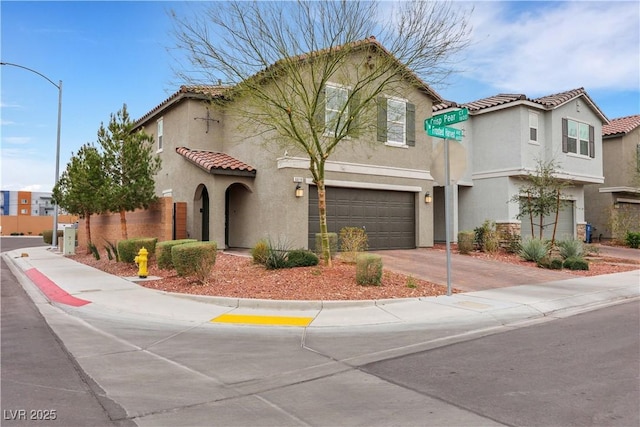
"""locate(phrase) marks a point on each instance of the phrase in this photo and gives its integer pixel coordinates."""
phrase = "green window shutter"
(565, 133)
(411, 125)
(592, 142)
(320, 112)
(382, 119)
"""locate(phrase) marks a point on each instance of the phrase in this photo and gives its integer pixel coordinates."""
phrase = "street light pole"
(59, 87)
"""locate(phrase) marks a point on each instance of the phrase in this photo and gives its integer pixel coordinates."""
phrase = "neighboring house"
(504, 138)
(26, 203)
(239, 189)
(617, 200)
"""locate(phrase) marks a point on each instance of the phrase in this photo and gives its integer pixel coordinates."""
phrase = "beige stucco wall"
(266, 206)
(619, 154)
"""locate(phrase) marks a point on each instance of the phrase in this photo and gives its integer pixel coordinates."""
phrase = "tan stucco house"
(617, 199)
(504, 138)
(239, 187)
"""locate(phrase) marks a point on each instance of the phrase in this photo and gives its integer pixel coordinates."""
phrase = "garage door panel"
(387, 216)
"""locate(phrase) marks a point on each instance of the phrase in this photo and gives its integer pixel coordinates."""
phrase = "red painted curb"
(53, 291)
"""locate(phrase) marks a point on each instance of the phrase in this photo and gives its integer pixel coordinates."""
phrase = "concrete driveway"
(470, 274)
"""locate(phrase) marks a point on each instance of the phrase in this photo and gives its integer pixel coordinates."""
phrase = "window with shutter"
(396, 122)
(578, 138)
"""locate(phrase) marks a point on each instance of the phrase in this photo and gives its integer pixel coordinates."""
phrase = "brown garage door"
(387, 216)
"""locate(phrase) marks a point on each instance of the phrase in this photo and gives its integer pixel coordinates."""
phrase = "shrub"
(194, 259)
(333, 244)
(47, 236)
(128, 249)
(94, 251)
(277, 254)
(465, 241)
(632, 240)
(550, 263)
(513, 243)
(112, 251)
(534, 250)
(301, 258)
(576, 264)
(369, 269)
(353, 240)
(570, 248)
(260, 252)
(486, 237)
(163, 255)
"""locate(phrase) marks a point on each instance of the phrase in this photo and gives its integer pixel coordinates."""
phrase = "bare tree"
(279, 57)
(541, 196)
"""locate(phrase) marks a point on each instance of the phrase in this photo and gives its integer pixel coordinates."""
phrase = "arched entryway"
(237, 216)
(201, 206)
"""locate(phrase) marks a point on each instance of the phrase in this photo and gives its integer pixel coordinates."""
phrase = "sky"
(112, 53)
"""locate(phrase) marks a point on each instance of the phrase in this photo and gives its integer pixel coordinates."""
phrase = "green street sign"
(443, 132)
(448, 118)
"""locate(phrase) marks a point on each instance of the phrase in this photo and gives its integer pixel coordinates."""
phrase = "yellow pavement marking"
(263, 320)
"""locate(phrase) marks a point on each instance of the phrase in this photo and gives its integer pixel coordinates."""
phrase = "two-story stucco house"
(614, 206)
(505, 137)
(240, 188)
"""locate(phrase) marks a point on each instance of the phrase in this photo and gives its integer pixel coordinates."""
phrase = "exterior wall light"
(427, 198)
(299, 191)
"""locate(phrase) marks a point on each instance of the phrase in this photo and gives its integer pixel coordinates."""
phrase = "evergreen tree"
(81, 187)
(129, 164)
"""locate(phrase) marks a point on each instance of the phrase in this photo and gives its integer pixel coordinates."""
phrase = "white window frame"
(330, 113)
(24, 201)
(160, 133)
(402, 122)
(577, 137)
(534, 124)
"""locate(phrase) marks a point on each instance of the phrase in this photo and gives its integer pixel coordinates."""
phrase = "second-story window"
(336, 108)
(160, 133)
(533, 126)
(578, 138)
(396, 122)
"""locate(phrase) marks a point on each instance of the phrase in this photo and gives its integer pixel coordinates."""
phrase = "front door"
(205, 215)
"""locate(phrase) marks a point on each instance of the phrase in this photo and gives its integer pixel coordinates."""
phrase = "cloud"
(6, 122)
(16, 140)
(541, 48)
(20, 171)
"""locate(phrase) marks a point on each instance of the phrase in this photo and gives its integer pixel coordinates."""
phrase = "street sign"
(448, 118)
(443, 132)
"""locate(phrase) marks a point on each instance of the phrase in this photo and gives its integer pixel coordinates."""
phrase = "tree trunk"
(555, 224)
(541, 226)
(324, 233)
(123, 224)
(533, 234)
(87, 229)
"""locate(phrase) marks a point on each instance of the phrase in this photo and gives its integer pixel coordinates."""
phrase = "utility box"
(69, 241)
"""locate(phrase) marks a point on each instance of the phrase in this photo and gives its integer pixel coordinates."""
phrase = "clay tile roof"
(547, 102)
(494, 101)
(621, 125)
(196, 91)
(444, 105)
(216, 163)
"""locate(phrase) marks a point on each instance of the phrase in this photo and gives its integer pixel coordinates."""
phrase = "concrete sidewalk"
(74, 286)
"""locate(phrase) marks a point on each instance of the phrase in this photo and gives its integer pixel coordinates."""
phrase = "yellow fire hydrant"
(141, 262)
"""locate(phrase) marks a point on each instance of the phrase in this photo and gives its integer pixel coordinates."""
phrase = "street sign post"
(436, 126)
(448, 118)
(443, 132)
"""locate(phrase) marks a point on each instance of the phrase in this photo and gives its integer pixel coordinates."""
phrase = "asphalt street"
(41, 382)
